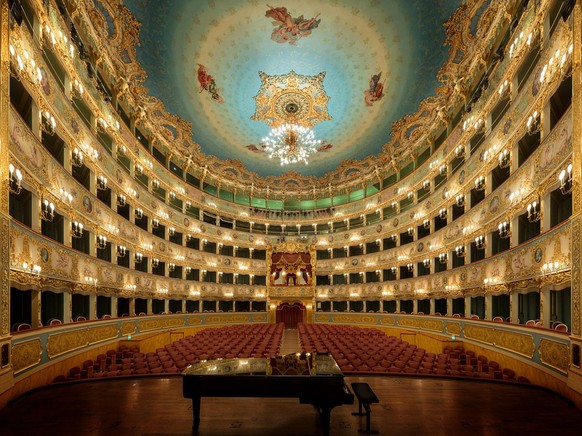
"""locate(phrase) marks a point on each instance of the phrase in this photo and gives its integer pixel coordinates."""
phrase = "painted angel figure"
(375, 91)
(287, 28)
(208, 84)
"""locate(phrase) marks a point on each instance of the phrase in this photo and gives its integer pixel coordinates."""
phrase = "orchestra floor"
(408, 406)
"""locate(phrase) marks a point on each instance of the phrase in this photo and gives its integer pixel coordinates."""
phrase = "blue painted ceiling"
(234, 40)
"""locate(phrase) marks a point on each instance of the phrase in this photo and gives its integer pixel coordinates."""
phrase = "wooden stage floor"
(408, 406)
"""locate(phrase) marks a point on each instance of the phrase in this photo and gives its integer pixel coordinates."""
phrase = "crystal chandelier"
(291, 143)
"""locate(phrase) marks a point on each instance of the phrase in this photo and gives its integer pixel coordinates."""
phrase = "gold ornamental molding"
(423, 324)
(554, 354)
(520, 343)
(227, 319)
(145, 325)
(260, 317)
(128, 328)
(347, 319)
(61, 343)
(321, 318)
(194, 320)
(454, 328)
(388, 320)
(26, 354)
(479, 333)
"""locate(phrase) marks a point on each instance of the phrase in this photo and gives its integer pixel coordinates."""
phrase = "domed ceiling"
(376, 60)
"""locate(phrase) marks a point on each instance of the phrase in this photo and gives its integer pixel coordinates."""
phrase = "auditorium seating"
(369, 351)
(251, 340)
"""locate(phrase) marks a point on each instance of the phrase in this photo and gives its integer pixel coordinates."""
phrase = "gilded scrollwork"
(26, 354)
(554, 354)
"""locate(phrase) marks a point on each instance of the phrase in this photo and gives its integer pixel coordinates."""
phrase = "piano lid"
(323, 365)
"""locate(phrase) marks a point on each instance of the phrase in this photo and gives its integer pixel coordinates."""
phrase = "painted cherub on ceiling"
(208, 84)
(289, 29)
(375, 91)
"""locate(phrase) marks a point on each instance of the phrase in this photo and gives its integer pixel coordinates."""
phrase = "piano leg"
(326, 419)
(196, 413)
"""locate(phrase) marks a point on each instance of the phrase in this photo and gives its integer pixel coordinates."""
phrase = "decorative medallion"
(314, 239)
(202, 228)
(354, 262)
(330, 238)
(186, 222)
(251, 238)
(87, 205)
(219, 232)
(235, 236)
(291, 98)
(162, 247)
(538, 255)
(507, 126)
(44, 255)
(379, 228)
(462, 177)
(362, 232)
(227, 261)
(420, 246)
(346, 236)
(395, 222)
(463, 277)
(494, 204)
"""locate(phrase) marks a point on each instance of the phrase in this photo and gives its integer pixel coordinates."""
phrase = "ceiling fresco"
(205, 61)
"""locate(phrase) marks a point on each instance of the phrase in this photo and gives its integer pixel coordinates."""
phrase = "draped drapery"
(294, 264)
(290, 314)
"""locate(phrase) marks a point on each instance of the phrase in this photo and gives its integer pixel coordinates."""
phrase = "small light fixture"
(480, 183)
(121, 250)
(47, 211)
(138, 257)
(139, 213)
(155, 262)
(155, 223)
(504, 159)
(101, 183)
(171, 266)
(426, 263)
(14, 179)
(443, 213)
(460, 250)
(504, 230)
(426, 224)
(410, 231)
(410, 267)
(76, 229)
(460, 200)
(533, 123)
(101, 242)
(443, 257)
(77, 157)
(48, 124)
(171, 231)
(480, 242)
(565, 178)
(121, 200)
(533, 212)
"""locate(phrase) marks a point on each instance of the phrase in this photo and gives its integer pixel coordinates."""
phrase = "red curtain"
(291, 314)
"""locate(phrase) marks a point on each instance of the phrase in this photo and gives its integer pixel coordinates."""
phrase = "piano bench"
(366, 397)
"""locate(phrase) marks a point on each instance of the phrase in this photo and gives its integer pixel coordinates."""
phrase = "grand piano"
(314, 379)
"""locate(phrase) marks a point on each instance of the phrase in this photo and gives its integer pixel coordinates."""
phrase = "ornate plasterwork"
(291, 98)
(173, 135)
(26, 354)
(554, 354)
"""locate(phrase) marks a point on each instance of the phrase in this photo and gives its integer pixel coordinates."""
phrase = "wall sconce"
(171, 231)
(394, 270)
(443, 169)
(443, 257)
(188, 237)
(138, 257)
(101, 183)
(410, 267)
(155, 223)
(504, 159)
(480, 242)
(426, 184)
(171, 266)
(443, 213)
(426, 224)
(47, 210)
(565, 178)
(394, 205)
(189, 270)
(48, 124)
(489, 281)
(533, 123)
(172, 195)
(139, 213)
(77, 157)
(14, 179)
(66, 196)
(460, 250)
(138, 169)
(480, 183)
(426, 263)
(32, 268)
(121, 250)
(460, 200)
(410, 231)
(550, 268)
(393, 237)
(76, 229)
(459, 151)
(156, 183)
(121, 200)
(504, 230)
(155, 262)
(533, 212)
(410, 195)
(101, 242)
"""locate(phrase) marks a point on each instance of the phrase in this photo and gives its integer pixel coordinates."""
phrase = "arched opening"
(291, 314)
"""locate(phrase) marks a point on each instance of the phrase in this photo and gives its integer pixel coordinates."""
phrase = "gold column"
(575, 371)
(5, 361)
